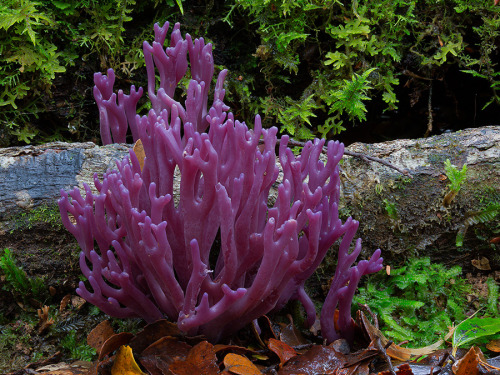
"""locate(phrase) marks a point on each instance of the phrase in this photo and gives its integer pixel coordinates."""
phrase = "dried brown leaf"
(282, 350)
(240, 365)
(200, 360)
(99, 335)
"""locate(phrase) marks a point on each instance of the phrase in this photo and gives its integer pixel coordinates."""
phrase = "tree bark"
(407, 217)
(403, 216)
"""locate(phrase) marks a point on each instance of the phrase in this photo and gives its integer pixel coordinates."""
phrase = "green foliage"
(486, 215)
(48, 214)
(313, 73)
(42, 40)
(456, 177)
(355, 51)
(17, 281)
(77, 347)
(417, 302)
(295, 115)
(493, 297)
(347, 97)
(391, 209)
(473, 329)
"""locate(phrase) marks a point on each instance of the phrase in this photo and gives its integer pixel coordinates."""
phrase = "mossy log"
(403, 216)
(419, 215)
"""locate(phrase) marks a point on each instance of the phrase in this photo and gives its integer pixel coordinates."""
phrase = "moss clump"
(45, 213)
(418, 301)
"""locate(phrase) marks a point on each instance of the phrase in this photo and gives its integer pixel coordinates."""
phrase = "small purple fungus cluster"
(148, 247)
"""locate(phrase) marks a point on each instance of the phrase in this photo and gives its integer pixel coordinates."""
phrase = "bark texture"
(402, 216)
(406, 217)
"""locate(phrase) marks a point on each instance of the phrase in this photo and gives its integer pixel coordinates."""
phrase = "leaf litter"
(162, 349)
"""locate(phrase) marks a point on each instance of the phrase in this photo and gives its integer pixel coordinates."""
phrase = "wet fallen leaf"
(290, 335)
(240, 365)
(282, 350)
(201, 359)
(404, 369)
(494, 346)
(139, 152)
(62, 368)
(67, 371)
(221, 348)
(473, 363)
(125, 363)
(468, 364)
(99, 335)
(365, 355)
(158, 356)
(54, 358)
(482, 264)
(153, 332)
(77, 302)
(317, 360)
(263, 330)
(114, 342)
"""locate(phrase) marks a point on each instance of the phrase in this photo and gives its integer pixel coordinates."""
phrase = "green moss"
(390, 209)
(402, 182)
(47, 214)
(418, 301)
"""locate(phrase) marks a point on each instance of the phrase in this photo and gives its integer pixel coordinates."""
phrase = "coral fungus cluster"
(148, 246)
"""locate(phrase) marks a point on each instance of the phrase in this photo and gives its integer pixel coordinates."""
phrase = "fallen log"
(402, 215)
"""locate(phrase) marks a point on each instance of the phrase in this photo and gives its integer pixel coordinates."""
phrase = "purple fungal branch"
(117, 113)
(344, 285)
(148, 246)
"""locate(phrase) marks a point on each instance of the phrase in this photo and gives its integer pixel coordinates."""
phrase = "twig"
(429, 115)
(382, 350)
(358, 155)
(366, 308)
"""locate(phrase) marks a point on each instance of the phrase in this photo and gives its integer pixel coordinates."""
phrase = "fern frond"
(484, 216)
(350, 96)
(70, 325)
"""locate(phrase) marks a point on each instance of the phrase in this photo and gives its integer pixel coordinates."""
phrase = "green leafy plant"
(486, 215)
(345, 53)
(472, 329)
(417, 302)
(295, 115)
(77, 347)
(17, 281)
(390, 208)
(349, 96)
(43, 41)
(457, 177)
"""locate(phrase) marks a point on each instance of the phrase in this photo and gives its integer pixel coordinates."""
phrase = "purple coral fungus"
(147, 245)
